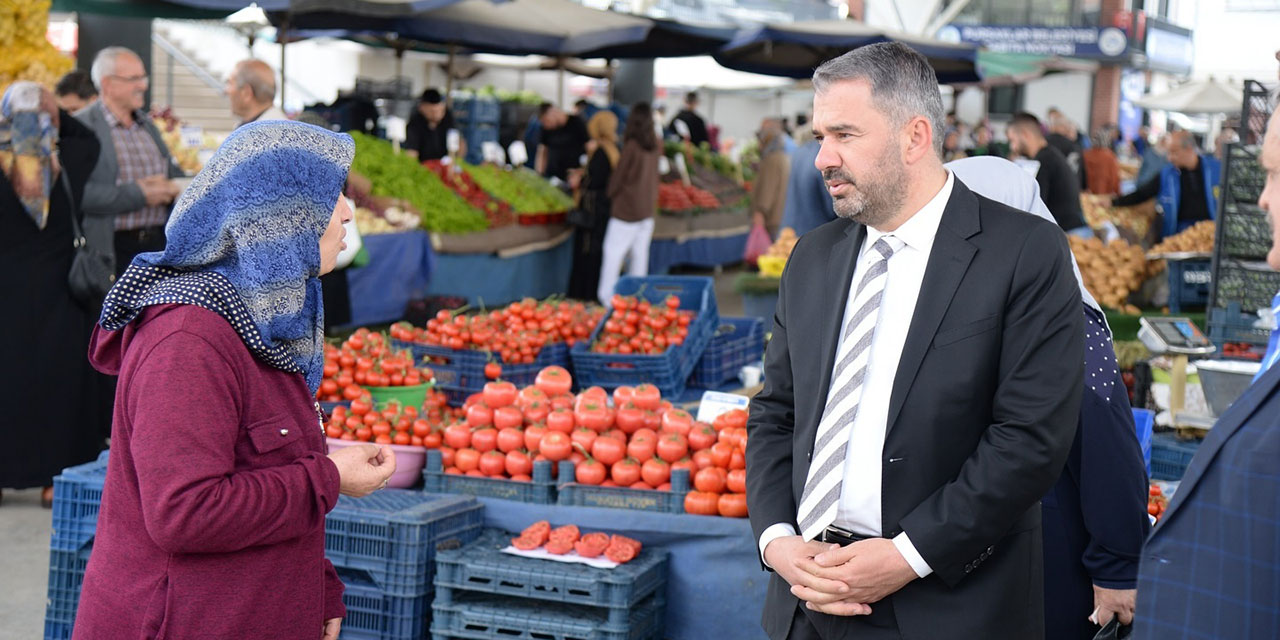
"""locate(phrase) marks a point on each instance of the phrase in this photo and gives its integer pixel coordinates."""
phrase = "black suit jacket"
(981, 418)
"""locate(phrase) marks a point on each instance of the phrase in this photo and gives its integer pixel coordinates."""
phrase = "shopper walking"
(633, 199)
(212, 519)
(769, 195)
(592, 217)
(56, 419)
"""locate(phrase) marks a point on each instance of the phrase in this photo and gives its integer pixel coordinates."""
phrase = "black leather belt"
(836, 535)
(142, 234)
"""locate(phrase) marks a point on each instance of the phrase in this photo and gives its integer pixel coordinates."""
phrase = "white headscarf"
(1006, 182)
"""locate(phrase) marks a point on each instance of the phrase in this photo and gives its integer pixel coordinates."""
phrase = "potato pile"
(1111, 271)
(1197, 239)
(775, 260)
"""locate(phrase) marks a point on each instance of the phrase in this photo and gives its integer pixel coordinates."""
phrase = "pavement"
(25, 527)
(24, 564)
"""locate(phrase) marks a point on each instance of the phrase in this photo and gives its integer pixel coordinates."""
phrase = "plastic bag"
(758, 244)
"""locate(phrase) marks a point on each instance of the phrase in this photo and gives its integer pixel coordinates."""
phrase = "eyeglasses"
(132, 79)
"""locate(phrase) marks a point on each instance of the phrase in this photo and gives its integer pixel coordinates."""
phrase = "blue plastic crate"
(542, 490)
(1189, 283)
(1233, 325)
(66, 575)
(668, 371)
(77, 496)
(476, 136)
(1143, 423)
(392, 535)
(374, 615)
(736, 343)
(482, 567)
(485, 617)
(328, 407)
(1170, 456)
(476, 111)
(583, 495)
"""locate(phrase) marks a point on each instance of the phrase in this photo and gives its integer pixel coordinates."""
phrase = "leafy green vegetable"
(524, 190)
(399, 176)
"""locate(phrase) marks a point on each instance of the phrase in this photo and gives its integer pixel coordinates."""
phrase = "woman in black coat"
(58, 407)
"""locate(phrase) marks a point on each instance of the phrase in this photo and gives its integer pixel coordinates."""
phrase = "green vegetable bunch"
(399, 176)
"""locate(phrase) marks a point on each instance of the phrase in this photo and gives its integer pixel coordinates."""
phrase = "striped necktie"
(1273, 344)
(826, 468)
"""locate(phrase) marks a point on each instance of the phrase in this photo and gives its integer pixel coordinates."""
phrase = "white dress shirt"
(859, 509)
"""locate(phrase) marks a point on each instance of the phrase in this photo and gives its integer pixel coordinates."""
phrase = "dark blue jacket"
(1211, 568)
(808, 204)
(1171, 192)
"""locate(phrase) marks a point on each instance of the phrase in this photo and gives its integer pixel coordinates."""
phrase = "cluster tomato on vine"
(365, 360)
(515, 334)
(393, 423)
(720, 484)
(639, 327)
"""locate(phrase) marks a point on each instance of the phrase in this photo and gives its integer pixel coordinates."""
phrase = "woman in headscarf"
(1095, 517)
(769, 194)
(61, 410)
(593, 201)
(633, 200)
(212, 518)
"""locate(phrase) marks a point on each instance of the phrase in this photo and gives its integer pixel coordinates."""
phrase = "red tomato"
(641, 484)
(592, 416)
(458, 436)
(467, 459)
(616, 434)
(672, 446)
(484, 440)
(447, 456)
(737, 459)
(655, 471)
(568, 532)
(529, 395)
(561, 420)
(702, 503)
(625, 472)
(536, 411)
(540, 531)
(641, 448)
(647, 397)
(677, 421)
(590, 472)
(686, 464)
(620, 553)
(702, 437)
(711, 480)
(629, 417)
(721, 454)
(652, 420)
(608, 450)
(559, 547)
(592, 545)
(525, 544)
(622, 395)
(533, 436)
(493, 463)
(499, 394)
(508, 417)
(493, 371)
(737, 481)
(556, 446)
(421, 428)
(554, 381)
(360, 407)
(510, 438)
(479, 415)
(563, 401)
(518, 463)
(732, 505)
(583, 437)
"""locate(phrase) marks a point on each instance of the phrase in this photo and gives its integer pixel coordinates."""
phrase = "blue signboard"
(1099, 43)
(1133, 84)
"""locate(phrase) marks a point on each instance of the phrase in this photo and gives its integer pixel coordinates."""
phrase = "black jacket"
(981, 418)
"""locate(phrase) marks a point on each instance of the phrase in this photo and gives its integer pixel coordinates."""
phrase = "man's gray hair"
(902, 83)
(104, 64)
(262, 84)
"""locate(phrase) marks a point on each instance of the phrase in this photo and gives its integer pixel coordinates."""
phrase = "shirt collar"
(113, 121)
(919, 231)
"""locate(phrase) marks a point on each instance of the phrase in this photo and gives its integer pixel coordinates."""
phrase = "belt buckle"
(832, 531)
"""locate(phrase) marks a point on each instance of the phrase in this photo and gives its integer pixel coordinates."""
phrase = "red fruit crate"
(668, 371)
(587, 495)
(542, 490)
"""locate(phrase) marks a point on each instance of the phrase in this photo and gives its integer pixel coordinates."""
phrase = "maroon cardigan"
(212, 520)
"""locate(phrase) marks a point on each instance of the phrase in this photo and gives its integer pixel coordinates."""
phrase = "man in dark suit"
(1211, 568)
(921, 388)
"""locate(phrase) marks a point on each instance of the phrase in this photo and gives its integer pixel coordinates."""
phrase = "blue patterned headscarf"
(244, 242)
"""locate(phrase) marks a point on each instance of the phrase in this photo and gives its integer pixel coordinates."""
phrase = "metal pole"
(169, 76)
(448, 72)
(560, 83)
(284, 38)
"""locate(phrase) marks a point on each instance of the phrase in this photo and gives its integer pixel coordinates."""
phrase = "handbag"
(1114, 631)
(92, 270)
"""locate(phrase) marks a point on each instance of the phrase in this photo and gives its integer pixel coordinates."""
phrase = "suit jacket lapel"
(1231, 421)
(841, 263)
(948, 261)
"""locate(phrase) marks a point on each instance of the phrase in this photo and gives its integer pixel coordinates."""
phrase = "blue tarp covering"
(715, 586)
(699, 252)
(496, 281)
(400, 266)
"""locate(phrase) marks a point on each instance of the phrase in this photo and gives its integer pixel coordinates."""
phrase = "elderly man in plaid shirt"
(127, 199)
(1211, 568)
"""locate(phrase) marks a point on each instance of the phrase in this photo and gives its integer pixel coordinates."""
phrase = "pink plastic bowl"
(409, 462)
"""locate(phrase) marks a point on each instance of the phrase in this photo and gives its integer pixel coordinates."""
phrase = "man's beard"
(876, 199)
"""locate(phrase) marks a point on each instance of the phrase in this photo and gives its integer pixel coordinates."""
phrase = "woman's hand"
(363, 468)
(331, 629)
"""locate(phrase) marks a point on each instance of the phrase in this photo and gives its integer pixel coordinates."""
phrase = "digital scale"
(1180, 338)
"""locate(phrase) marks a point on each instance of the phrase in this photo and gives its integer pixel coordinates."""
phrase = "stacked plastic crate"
(477, 119)
(1242, 281)
(384, 548)
(77, 494)
(483, 593)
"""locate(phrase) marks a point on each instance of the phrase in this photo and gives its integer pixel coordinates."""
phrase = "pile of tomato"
(562, 540)
(638, 327)
(1156, 501)
(720, 485)
(516, 334)
(366, 360)
(393, 424)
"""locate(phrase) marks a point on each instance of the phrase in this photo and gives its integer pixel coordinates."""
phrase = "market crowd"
(943, 447)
